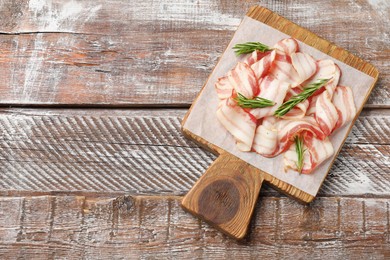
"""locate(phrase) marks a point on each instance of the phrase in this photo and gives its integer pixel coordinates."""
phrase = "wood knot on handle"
(225, 198)
(225, 195)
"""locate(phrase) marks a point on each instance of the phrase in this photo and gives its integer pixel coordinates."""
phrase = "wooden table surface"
(92, 161)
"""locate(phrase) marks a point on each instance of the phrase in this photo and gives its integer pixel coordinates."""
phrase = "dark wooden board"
(156, 53)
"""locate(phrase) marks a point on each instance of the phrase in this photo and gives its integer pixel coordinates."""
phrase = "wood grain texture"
(156, 53)
(143, 151)
(159, 53)
(226, 195)
(146, 227)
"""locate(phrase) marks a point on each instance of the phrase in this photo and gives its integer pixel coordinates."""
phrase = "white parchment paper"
(203, 121)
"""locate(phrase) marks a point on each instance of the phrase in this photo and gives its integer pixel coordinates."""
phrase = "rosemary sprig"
(248, 47)
(295, 100)
(257, 102)
(300, 151)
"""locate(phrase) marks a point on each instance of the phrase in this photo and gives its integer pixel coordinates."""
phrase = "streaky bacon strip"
(240, 123)
(224, 88)
(271, 89)
(265, 141)
(243, 80)
(290, 159)
(332, 84)
(261, 67)
(311, 110)
(326, 69)
(254, 57)
(326, 113)
(344, 104)
(275, 136)
(304, 64)
(288, 46)
(278, 75)
(299, 110)
(283, 70)
(317, 151)
(288, 129)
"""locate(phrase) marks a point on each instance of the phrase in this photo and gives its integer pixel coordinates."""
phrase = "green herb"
(248, 47)
(295, 100)
(300, 151)
(257, 102)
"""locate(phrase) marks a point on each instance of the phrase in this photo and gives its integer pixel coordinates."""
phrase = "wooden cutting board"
(226, 194)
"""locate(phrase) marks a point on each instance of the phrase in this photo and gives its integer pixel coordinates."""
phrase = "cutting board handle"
(226, 194)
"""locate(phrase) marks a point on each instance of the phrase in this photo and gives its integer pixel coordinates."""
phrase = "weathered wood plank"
(144, 151)
(132, 53)
(142, 227)
(10, 226)
(44, 69)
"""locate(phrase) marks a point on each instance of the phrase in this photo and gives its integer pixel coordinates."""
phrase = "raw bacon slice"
(240, 123)
(290, 159)
(327, 69)
(243, 80)
(288, 46)
(224, 88)
(345, 105)
(266, 138)
(261, 67)
(326, 113)
(332, 84)
(278, 75)
(255, 56)
(304, 64)
(288, 129)
(271, 89)
(311, 110)
(283, 70)
(299, 110)
(317, 151)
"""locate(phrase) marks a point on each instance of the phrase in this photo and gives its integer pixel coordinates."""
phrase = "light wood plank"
(144, 151)
(131, 53)
(142, 227)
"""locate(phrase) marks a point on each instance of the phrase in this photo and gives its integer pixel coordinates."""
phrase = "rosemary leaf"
(300, 151)
(295, 100)
(257, 102)
(248, 47)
